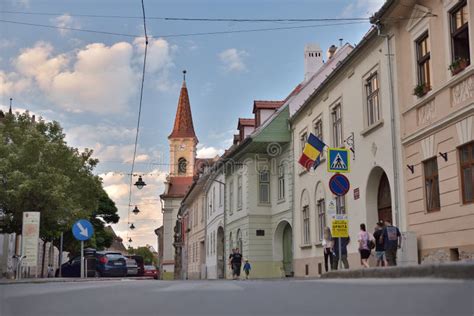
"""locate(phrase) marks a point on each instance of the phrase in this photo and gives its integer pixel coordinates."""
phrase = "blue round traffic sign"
(82, 229)
(339, 184)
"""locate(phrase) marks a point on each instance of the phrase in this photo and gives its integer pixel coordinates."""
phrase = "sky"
(90, 82)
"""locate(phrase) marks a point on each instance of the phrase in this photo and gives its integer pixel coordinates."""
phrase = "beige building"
(351, 108)
(433, 50)
(193, 213)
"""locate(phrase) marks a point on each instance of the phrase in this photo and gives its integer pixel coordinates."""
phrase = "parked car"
(100, 263)
(151, 271)
(132, 267)
(140, 264)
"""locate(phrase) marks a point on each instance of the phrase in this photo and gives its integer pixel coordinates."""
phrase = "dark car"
(100, 263)
(140, 264)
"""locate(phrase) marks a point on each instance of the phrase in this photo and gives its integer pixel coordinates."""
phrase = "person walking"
(236, 263)
(247, 269)
(379, 247)
(341, 242)
(392, 240)
(365, 239)
(327, 246)
(231, 266)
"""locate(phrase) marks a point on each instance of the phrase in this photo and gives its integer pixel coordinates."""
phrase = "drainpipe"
(292, 202)
(396, 177)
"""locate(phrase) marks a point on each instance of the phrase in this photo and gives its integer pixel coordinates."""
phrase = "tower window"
(182, 165)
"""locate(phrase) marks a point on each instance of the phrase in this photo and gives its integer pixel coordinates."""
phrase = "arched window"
(239, 241)
(182, 165)
(306, 225)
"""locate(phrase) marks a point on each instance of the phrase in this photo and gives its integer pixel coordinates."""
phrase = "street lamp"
(140, 184)
(132, 226)
(136, 210)
(130, 240)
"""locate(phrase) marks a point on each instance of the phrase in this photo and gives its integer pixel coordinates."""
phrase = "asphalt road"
(253, 297)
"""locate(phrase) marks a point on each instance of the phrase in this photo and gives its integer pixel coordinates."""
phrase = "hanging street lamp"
(140, 184)
(136, 210)
(132, 226)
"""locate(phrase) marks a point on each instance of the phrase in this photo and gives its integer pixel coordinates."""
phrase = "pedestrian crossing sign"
(338, 160)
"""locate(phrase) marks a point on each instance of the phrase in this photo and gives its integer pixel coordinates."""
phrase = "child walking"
(247, 268)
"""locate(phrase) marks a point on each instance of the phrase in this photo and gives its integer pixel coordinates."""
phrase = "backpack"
(370, 242)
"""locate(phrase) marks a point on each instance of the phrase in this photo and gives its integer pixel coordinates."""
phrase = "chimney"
(331, 51)
(313, 60)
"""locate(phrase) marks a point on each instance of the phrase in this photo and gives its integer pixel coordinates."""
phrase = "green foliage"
(147, 255)
(43, 174)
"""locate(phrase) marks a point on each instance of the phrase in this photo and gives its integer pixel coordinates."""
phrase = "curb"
(69, 280)
(445, 271)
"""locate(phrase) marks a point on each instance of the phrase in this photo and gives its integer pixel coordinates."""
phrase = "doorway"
(220, 253)
(384, 199)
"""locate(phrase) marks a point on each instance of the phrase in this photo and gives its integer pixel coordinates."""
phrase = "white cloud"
(209, 152)
(364, 7)
(65, 21)
(233, 59)
(97, 78)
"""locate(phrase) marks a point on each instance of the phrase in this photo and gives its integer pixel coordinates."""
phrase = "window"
(203, 208)
(340, 205)
(372, 93)
(466, 154)
(264, 187)
(337, 126)
(182, 165)
(221, 187)
(195, 215)
(239, 192)
(423, 60)
(213, 202)
(321, 218)
(190, 218)
(281, 182)
(318, 131)
(431, 184)
(306, 228)
(231, 195)
(460, 32)
(303, 139)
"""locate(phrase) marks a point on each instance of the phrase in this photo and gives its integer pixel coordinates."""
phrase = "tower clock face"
(182, 147)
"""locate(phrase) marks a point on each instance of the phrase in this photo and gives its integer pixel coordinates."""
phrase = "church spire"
(183, 122)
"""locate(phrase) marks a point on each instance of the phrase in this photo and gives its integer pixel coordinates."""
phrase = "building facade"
(351, 108)
(215, 223)
(433, 51)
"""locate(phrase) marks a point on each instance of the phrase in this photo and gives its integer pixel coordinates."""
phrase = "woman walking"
(327, 246)
(365, 240)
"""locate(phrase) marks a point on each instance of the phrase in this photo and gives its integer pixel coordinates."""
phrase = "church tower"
(183, 140)
(313, 60)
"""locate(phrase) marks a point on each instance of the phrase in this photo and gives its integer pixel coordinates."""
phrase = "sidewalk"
(445, 270)
(59, 280)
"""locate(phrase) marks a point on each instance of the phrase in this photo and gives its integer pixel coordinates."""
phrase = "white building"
(352, 107)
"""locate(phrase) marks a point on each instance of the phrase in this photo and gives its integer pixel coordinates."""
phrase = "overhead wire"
(139, 110)
(180, 34)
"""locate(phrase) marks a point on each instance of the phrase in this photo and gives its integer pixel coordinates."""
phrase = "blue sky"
(90, 82)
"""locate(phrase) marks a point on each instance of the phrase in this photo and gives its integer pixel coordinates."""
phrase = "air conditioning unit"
(408, 254)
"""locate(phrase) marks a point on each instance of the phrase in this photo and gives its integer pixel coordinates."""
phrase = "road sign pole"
(82, 259)
(340, 254)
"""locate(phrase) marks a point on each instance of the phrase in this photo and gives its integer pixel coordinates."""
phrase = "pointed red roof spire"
(183, 122)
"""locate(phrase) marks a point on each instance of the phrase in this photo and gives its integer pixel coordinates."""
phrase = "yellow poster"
(340, 228)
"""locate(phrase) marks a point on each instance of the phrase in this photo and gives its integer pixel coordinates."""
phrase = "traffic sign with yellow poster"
(340, 226)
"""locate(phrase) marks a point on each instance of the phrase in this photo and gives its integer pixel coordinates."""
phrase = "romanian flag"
(311, 152)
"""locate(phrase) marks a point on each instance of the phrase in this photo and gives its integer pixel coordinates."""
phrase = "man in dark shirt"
(236, 263)
(379, 248)
(342, 242)
(392, 240)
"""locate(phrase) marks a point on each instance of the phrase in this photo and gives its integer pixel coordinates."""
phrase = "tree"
(148, 257)
(43, 174)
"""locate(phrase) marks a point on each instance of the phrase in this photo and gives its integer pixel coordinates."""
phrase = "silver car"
(132, 267)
